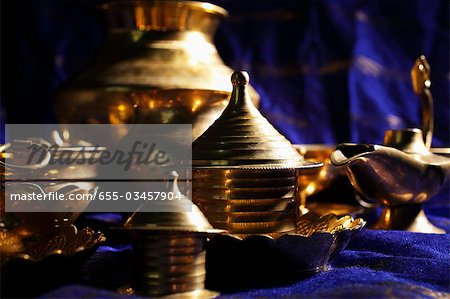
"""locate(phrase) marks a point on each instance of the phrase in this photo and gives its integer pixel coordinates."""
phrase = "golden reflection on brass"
(120, 113)
(159, 55)
(313, 181)
(10, 243)
(245, 173)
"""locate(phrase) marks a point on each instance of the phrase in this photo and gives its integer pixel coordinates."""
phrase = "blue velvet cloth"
(376, 264)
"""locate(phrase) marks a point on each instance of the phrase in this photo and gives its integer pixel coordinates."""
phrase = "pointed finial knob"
(173, 186)
(240, 78)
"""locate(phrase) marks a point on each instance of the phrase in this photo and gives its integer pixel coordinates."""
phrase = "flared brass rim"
(305, 165)
(342, 224)
(194, 5)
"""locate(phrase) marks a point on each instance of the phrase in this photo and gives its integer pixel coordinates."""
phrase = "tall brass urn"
(160, 58)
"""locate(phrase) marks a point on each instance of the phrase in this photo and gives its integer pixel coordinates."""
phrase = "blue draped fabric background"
(327, 72)
(335, 71)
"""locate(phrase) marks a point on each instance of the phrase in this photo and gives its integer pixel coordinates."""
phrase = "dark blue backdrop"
(335, 71)
(328, 71)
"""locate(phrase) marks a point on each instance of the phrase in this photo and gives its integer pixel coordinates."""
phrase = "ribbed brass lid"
(193, 221)
(241, 136)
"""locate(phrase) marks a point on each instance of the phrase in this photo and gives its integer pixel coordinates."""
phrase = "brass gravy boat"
(400, 179)
(402, 173)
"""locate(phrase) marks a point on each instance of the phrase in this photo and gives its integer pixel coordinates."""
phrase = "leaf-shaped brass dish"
(311, 223)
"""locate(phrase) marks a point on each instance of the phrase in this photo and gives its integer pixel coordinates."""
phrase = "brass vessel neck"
(164, 16)
(407, 140)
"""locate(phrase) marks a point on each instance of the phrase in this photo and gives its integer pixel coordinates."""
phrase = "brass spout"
(348, 152)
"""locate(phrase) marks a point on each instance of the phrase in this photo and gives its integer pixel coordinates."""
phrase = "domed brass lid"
(241, 136)
(193, 221)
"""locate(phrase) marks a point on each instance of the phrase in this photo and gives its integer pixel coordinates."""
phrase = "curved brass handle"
(420, 76)
(41, 164)
(364, 202)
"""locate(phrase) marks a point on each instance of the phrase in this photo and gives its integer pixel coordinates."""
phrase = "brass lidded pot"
(169, 250)
(245, 172)
(159, 55)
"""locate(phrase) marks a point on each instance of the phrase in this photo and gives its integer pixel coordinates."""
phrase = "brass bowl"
(262, 261)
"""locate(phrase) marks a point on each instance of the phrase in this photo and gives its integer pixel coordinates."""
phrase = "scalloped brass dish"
(262, 261)
(311, 223)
